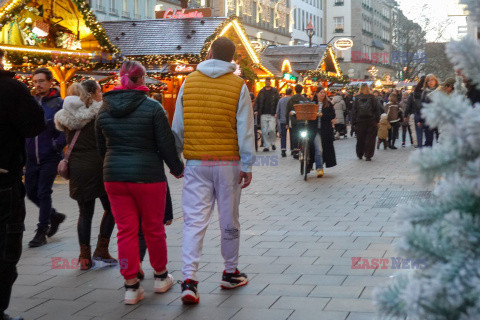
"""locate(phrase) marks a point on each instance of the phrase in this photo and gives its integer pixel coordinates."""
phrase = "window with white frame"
(338, 23)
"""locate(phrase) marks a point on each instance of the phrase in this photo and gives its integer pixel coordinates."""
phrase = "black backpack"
(366, 108)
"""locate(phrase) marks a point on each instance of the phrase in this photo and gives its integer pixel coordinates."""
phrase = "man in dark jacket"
(20, 117)
(366, 113)
(291, 118)
(266, 106)
(44, 153)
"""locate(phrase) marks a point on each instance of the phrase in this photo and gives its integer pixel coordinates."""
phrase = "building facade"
(368, 23)
(111, 10)
(303, 12)
(266, 22)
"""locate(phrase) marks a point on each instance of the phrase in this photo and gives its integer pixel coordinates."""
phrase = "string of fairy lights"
(26, 59)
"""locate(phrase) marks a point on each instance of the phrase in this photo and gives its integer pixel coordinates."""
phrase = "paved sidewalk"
(297, 242)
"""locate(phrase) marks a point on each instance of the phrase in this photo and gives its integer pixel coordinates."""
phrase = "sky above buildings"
(440, 14)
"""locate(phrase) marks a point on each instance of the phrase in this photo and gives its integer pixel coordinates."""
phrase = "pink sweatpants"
(131, 201)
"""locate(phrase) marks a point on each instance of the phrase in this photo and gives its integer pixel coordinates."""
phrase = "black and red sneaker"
(233, 280)
(189, 292)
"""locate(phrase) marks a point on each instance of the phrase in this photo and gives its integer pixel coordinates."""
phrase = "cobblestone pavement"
(297, 242)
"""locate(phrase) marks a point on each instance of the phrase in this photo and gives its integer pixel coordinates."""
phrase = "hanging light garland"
(15, 7)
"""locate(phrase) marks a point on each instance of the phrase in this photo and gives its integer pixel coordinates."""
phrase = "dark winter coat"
(414, 104)
(20, 117)
(134, 137)
(50, 142)
(266, 102)
(327, 136)
(376, 109)
(85, 164)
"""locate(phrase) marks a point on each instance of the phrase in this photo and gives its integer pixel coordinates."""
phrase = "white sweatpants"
(203, 185)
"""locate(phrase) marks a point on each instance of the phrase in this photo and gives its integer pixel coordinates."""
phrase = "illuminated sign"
(183, 68)
(287, 77)
(343, 44)
(184, 13)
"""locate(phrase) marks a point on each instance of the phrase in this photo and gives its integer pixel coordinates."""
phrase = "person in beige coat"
(383, 128)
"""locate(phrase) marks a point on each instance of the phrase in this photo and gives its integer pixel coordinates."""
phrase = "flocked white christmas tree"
(444, 231)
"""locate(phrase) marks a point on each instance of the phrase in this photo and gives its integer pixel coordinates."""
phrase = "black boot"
(392, 146)
(40, 238)
(7, 317)
(55, 221)
(284, 153)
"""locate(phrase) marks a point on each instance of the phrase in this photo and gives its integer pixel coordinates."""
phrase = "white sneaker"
(162, 284)
(133, 293)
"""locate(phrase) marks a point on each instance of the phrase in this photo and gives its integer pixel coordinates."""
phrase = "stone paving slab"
(297, 241)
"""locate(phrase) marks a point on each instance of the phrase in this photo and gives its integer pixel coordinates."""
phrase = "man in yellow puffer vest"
(213, 127)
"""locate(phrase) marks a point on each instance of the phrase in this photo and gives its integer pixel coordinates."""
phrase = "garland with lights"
(84, 8)
(319, 75)
(191, 58)
(95, 27)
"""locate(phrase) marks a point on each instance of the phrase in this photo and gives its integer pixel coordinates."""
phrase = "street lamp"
(310, 32)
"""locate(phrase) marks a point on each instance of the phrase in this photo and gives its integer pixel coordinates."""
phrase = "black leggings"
(84, 226)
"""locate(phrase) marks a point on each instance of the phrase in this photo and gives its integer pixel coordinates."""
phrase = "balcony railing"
(125, 14)
(338, 3)
(100, 8)
(138, 16)
(338, 30)
(113, 11)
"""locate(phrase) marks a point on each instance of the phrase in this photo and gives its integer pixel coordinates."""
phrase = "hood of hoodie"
(120, 103)
(216, 68)
(337, 99)
(75, 114)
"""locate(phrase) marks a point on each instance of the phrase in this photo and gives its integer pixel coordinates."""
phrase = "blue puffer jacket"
(50, 142)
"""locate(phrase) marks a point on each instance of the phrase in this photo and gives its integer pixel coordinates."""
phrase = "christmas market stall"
(310, 66)
(62, 35)
(171, 48)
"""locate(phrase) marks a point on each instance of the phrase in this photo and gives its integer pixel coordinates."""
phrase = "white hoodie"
(245, 133)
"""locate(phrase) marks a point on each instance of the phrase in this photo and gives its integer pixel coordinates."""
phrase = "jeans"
(283, 136)
(39, 180)
(269, 125)
(293, 137)
(406, 128)
(317, 142)
(12, 217)
(84, 226)
(421, 131)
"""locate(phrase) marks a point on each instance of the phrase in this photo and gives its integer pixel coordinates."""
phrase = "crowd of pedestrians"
(114, 147)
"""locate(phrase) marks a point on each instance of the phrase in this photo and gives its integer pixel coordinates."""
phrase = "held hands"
(246, 177)
(320, 115)
(334, 121)
(179, 176)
